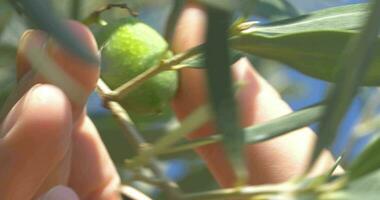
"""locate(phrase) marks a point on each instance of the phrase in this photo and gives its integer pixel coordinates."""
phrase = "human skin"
(47, 140)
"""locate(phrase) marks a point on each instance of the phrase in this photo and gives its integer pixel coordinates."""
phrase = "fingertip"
(44, 117)
(60, 192)
(37, 141)
(52, 104)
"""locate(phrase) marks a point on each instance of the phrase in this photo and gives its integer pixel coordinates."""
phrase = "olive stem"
(127, 87)
(95, 17)
(135, 139)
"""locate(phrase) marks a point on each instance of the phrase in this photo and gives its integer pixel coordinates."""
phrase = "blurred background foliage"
(187, 169)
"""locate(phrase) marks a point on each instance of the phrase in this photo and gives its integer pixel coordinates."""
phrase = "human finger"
(36, 136)
(83, 73)
(93, 175)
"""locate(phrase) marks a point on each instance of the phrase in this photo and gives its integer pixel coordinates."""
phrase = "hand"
(47, 142)
(273, 161)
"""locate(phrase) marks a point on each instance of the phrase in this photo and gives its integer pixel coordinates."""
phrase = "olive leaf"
(312, 44)
(313, 53)
(226, 5)
(352, 69)
(350, 17)
(221, 93)
(368, 161)
(263, 131)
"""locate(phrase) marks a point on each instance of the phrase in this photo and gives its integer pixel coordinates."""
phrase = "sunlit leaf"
(313, 53)
(354, 65)
(341, 18)
(312, 48)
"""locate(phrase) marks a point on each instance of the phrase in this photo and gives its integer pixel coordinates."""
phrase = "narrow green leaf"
(313, 43)
(285, 124)
(340, 18)
(55, 74)
(313, 53)
(40, 13)
(221, 90)
(367, 162)
(337, 163)
(354, 65)
(226, 5)
(263, 131)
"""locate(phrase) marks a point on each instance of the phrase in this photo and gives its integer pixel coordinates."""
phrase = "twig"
(136, 140)
(95, 16)
(132, 193)
(242, 193)
(146, 179)
(200, 116)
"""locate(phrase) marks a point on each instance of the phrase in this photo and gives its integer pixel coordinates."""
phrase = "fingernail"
(24, 38)
(60, 192)
(32, 38)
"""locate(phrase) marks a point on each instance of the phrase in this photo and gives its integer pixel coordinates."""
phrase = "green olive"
(128, 48)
